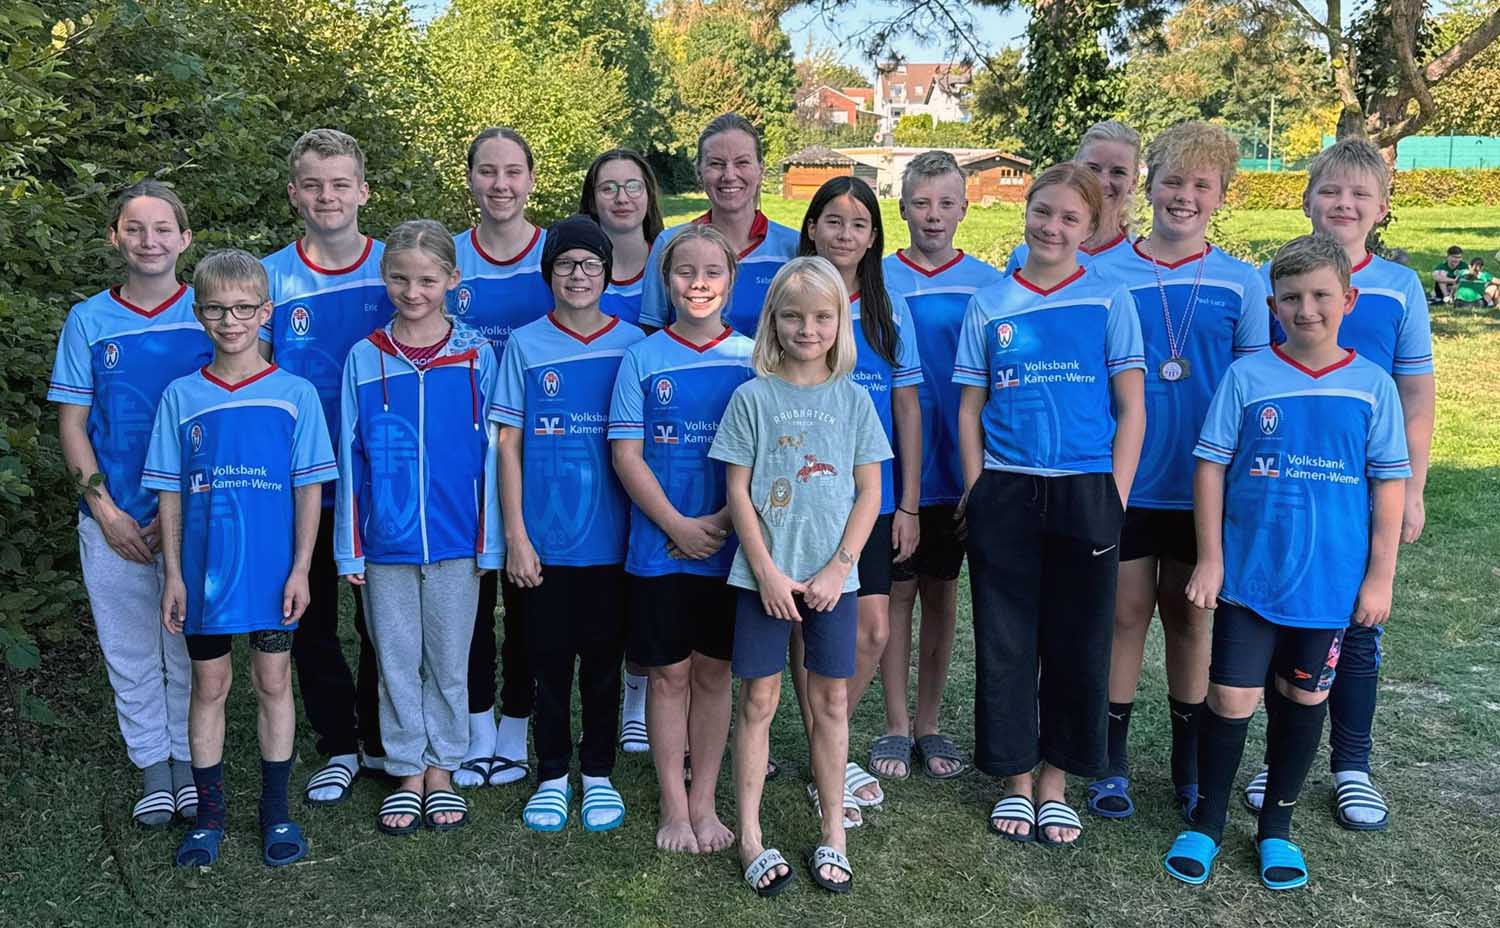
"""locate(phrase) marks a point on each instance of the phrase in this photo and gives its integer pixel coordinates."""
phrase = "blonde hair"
(693, 232)
(1349, 154)
(425, 235)
(326, 143)
(801, 277)
(1112, 130)
(1194, 144)
(1077, 178)
(226, 267)
(930, 164)
(1308, 253)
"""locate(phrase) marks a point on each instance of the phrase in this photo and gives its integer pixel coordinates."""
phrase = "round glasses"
(611, 189)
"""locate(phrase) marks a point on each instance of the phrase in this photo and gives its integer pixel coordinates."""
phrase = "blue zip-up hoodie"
(417, 459)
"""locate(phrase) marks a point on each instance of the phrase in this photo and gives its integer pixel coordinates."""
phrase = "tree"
(995, 101)
(1470, 106)
(819, 66)
(921, 131)
(1070, 82)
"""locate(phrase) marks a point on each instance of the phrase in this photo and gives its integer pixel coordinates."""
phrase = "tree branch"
(1460, 54)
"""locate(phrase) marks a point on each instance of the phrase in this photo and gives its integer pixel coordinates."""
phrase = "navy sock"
(1351, 702)
(1221, 743)
(1184, 741)
(1119, 738)
(1292, 735)
(210, 784)
(274, 777)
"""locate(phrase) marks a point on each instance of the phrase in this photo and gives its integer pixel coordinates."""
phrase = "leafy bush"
(1424, 187)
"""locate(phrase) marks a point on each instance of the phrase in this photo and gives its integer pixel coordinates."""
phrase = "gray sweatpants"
(421, 620)
(148, 666)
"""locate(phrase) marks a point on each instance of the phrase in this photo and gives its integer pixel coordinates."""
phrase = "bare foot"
(436, 779)
(771, 875)
(1008, 826)
(677, 836)
(712, 835)
(828, 871)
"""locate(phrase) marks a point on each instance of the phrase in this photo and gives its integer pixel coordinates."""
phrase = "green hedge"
(1425, 187)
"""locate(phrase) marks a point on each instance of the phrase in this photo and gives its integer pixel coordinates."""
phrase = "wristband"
(907, 511)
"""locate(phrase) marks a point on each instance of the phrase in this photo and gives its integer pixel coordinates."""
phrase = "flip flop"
(158, 802)
(892, 748)
(1195, 847)
(851, 804)
(1014, 809)
(552, 801)
(1054, 814)
(331, 775)
(760, 866)
(443, 800)
(499, 765)
(1355, 795)
(939, 747)
(199, 848)
(1276, 854)
(823, 855)
(603, 799)
(857, 778)
(401, 802)
(633, 737)
(480, 767)
(281, 836)
(1111, 788)
(1256, 789)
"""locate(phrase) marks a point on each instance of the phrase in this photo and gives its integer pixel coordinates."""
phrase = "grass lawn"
(69, 854)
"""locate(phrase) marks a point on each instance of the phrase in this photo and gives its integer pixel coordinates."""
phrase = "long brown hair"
(653, 225)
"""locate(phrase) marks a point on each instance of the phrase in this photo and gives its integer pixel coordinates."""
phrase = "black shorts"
(213, 647)
(940, 553)
(674, 615)
(875, 559)
(1248, 649)
(1159, 533)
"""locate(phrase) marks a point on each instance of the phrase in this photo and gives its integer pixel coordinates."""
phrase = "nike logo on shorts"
(1117, 718)
(1099, 551)
(1185, 716)
(1284, 804)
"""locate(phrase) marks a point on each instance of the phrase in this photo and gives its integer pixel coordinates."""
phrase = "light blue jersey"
(1389, 325)
(499, 296)
(1301, 448)
(1086, 256)
(1227, 320)
(1046, 357)
(555, 386)
(670, 395)
(236, 452)
(772, 245)
(116, 358)
(623, 298)
(879, 377)
(937, 301)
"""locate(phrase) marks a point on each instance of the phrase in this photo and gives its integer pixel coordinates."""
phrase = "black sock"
(210, 784)
(1119, 737)
(275, 775)
(1184, 741)
(1293, 732)
(1221, 742)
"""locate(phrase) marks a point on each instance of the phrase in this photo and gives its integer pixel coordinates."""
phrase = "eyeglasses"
(214, 312)
(592, 267)
(610, 189)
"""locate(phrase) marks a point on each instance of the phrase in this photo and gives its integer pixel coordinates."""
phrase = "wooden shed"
(996, 177)
(807, 170)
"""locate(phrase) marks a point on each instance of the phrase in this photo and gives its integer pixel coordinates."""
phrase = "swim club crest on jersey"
(937, 301)
(1046, 358)
(116, 358)
(235, 452)
(1199, 313)
(879, 377)
(498, 296)
(771, 246)
(555, 386)
(1300, 448)
(670, 395)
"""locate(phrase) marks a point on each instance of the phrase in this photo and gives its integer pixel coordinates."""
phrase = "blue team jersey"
(623, 298)
(555, 386)
(670, 395)
(116, 358)
(1086, 256)
(319, 314)
(1300, 448)
(1389, 324)
(772, 246)
(1046, 358)
(499, 296)
(235, 452)
(936, 301)
(879, 377)
(1228, 320)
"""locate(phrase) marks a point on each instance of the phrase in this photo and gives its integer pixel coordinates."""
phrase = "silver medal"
(1175, 369)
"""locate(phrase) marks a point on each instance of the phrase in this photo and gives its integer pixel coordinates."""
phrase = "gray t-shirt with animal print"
(801, 445)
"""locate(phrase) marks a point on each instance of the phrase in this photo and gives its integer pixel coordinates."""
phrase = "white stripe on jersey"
(1318, 391)
(585, 356)
(148, 330)
(286, 406)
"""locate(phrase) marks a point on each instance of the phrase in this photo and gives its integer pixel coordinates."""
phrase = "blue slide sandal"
(1276, 854)
(1116, 789)
(199, 848)
(282, 844)
(603, 799)
(1191, 847)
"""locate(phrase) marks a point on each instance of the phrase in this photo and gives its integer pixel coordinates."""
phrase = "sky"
(993, 31)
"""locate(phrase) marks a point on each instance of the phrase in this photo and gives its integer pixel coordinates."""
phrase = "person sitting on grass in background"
(416, 538)
(1346, 196)
(1475, 286)
(237, 452)
(803, 445)
(1445, 275)
(1297, 502)
(117, 352)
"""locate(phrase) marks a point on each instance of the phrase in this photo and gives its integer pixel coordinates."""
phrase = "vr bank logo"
(664, 434)
(665, 391)
(549, 425)
(1270, 419)
(1005, 333)
(1266, 465)
(551, 382)
(1006, 377)
(111, 355)
(301, 320)
(198, 482)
